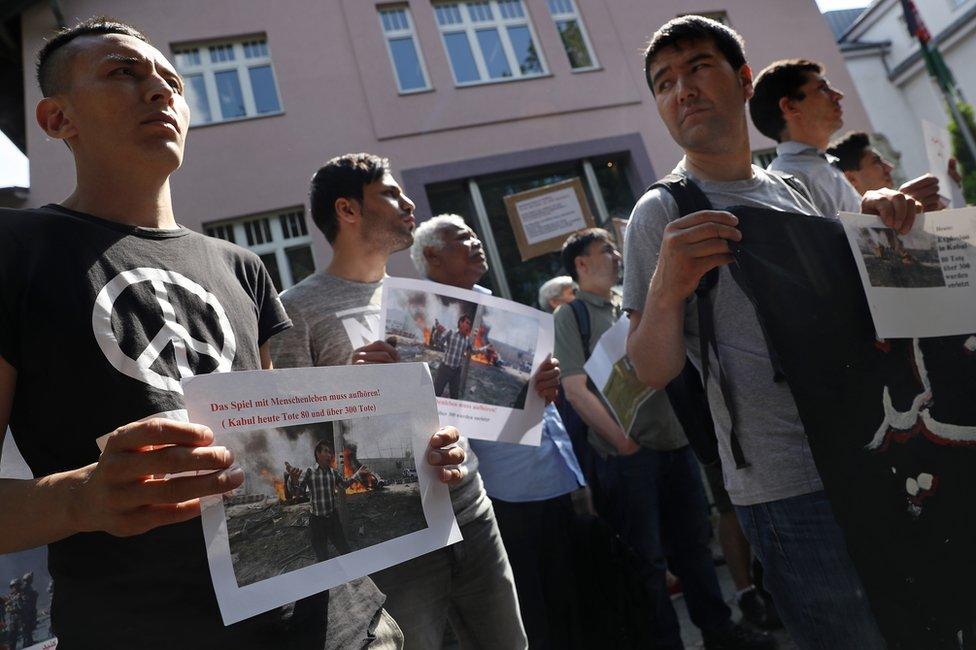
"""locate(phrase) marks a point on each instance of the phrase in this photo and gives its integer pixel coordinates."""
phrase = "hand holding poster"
(483, 352)
(612, 373)
(920, 284)
(335, 486)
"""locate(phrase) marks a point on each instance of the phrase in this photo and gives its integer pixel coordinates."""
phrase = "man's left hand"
(444, 453)
(375, 352)
(547, 379)
(896, 210)
(925, 190)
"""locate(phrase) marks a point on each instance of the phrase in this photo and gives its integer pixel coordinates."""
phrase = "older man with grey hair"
(557, 291)
(530, 487)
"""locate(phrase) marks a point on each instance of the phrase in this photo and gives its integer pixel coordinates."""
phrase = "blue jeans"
(807, 570)
(656, 502)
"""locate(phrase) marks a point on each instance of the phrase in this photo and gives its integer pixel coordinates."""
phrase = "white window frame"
(241, 64)
(408, 31)
(278, 243)
(578, 17)
(469, 28)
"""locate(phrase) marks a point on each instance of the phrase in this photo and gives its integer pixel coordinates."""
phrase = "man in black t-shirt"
(107, 303)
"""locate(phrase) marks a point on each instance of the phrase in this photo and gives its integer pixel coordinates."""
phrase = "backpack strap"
(582, 315)
(795, 183)
(690, 198)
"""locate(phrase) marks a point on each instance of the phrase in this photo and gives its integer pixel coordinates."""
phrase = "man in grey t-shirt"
(697, 73)
(366, 217)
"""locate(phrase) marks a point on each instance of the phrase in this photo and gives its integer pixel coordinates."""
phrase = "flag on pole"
(916, 26)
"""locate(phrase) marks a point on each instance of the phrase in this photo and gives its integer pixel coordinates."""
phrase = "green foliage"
(967, 164)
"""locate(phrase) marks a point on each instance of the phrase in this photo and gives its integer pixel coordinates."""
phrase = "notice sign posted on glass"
(920, 284)
(335, 483)
(542, 218)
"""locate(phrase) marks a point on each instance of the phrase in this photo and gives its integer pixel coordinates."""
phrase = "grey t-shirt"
(768, 425)
(332, 317)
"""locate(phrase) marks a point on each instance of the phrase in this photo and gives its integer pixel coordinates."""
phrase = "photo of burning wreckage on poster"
(318, 491)
(476, 353)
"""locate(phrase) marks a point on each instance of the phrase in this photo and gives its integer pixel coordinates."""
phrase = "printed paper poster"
(335, 484)
(482, 350)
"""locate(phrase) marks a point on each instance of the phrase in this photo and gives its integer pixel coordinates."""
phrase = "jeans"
(326, 528)
(450, 377)
(469, 583)
(538, 537)
(656, 502)
(807, 569)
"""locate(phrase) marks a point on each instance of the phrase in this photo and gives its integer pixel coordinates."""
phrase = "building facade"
(887, 67)
(471, 101)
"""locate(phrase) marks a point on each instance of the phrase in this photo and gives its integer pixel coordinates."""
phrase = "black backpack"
(687, 392)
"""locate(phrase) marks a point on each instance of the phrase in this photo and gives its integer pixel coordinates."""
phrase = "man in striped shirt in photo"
(457, 345)
(323, 483)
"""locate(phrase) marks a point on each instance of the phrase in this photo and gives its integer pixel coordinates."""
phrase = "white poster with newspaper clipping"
(483, 352)
(920, 284)
(335, 480)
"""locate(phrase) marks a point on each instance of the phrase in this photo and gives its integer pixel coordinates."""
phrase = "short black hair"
(343, 177)
(849, 149)
(322, 444)
(689, 29)
(576, 245)
(777, 80)
(53, 59)
(464, 317)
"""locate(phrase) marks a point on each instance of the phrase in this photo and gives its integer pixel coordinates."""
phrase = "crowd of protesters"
(127, 553)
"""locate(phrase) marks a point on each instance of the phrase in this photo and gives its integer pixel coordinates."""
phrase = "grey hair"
(553, 289)
(428, 234)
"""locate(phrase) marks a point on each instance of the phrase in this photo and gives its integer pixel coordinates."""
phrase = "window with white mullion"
(403, 48)
(244, 79)
(498, 42)
(229, 79)
(572, 31)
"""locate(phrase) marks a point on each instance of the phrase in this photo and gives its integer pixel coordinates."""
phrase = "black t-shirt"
(101, 320)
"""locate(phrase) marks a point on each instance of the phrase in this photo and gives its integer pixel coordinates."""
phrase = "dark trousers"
(538, 537)
(326, 528)
(448, 376)
(656, 502)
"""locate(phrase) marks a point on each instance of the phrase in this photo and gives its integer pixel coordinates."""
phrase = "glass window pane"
(263, 85)
(300, 262)
(229, 92)
(408, 70)
(271, 263)
(462, 60)
(196, 99)
(611, 175)
(525, 52)
(491, 49)
(579, 55)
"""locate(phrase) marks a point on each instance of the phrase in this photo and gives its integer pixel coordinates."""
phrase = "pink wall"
(338, 93)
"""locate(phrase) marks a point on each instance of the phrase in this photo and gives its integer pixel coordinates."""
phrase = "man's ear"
(787, 107)
(851, 177)
(579, 264)
(348, 210)
(433, 259)
(745, 78)
(52, 117)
